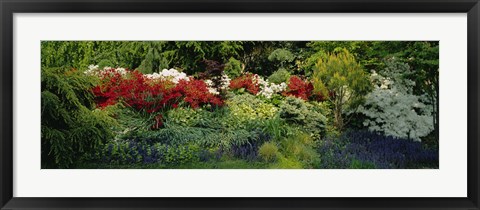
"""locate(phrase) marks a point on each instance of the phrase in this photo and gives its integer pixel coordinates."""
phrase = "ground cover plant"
(239, 104)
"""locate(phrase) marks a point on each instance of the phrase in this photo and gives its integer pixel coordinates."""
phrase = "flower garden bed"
(121, 118)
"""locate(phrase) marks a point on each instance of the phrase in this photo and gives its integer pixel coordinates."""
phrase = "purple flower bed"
(363, 149)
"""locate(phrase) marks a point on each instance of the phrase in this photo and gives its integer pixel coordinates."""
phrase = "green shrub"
(281, 55)
(293, 110)
(268, 151)
(286, 163)
(304, 114)
(301, 148)
(69, 124)
(279, 76)
(105, 63)
(233, 68)
(184, 116)
(128, 120)
(304, 139)
(309, 157)
(246, 107)
(275, 127)
(181, 154)
(356, 164)
(238, 129)
(220, 129)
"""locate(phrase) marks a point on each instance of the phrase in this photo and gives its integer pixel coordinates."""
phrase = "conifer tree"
(70, 126)
(342, 81)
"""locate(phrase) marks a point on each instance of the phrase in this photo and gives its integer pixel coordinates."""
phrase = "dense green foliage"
(148, 57)
(310, 116)
(233, 68)
(279, 76)
(70, 125)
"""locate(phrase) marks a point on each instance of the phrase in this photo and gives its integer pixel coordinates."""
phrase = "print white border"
(448, 181)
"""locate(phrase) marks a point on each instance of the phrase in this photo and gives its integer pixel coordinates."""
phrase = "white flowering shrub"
(94, 70)
(166, 74)
(172, 75)
(211, 89)
(268, 89)
(392, 109)
(224, 84)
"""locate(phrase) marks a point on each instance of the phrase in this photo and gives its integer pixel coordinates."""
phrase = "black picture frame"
(9, 7)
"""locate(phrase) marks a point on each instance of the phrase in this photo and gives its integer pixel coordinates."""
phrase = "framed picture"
(239, 104)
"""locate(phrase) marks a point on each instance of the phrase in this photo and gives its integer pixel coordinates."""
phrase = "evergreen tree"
(70, 126)
(342, 81)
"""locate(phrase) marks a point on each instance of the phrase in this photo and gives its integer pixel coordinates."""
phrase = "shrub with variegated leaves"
(393, 109)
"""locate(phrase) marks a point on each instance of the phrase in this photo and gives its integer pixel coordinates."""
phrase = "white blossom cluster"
(94, 70)
(394, 112)
(168, 74)
(380, 81)
(257, 79)
(224, 84)
(268, 89)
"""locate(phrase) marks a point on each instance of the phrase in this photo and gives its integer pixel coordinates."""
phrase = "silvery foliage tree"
(392, 108)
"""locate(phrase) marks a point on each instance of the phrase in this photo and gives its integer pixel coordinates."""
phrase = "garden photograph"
(240, 104)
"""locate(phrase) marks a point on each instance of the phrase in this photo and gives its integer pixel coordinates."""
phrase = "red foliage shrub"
(299, 88)
(196, 93)
(141, 93)
(108, 92)
(246, 81)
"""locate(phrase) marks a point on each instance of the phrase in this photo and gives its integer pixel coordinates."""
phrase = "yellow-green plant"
(301, 148)
(342, 80)
(184, 116)
(247, 107)
(287, 163)
(268, 151)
